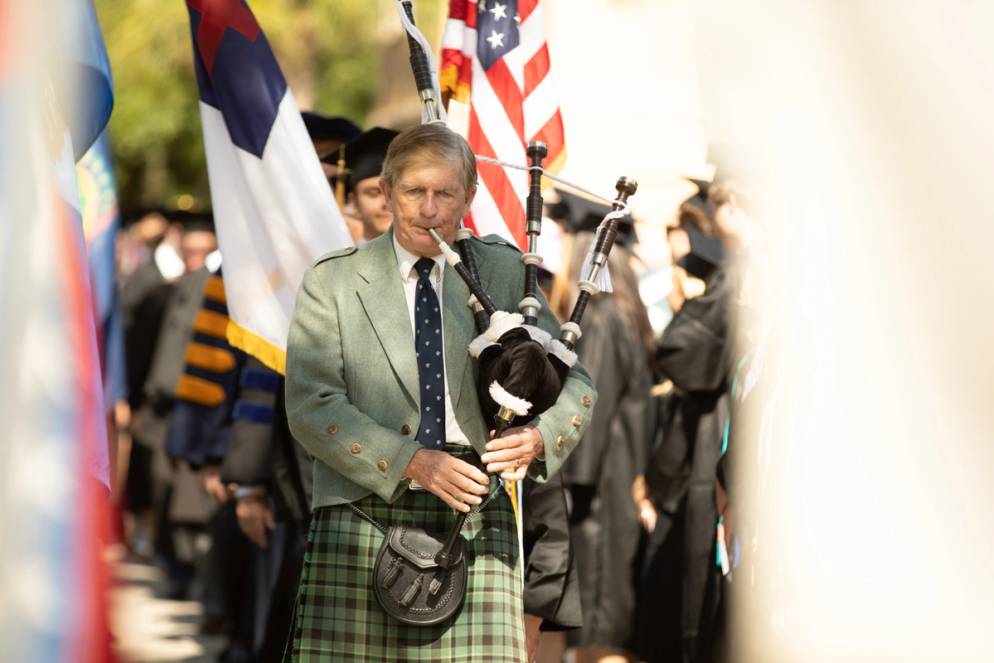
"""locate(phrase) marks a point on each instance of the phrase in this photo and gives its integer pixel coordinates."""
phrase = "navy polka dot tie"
(428, 349)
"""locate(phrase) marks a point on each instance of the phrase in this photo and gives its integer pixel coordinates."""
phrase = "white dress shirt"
(409, 277)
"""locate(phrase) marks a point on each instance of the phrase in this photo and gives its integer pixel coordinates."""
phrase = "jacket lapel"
(386, 307)
(458, 331)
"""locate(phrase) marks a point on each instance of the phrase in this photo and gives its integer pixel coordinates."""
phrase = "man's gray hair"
(432, 141)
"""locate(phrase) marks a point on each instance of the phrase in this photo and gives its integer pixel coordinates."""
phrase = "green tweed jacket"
(352, 393)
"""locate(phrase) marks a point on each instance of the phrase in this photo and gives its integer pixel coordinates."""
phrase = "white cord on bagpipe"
(554, 178)
(603, 280)
(432, 67)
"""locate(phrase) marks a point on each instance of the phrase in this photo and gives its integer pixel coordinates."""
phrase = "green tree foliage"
(326, 48)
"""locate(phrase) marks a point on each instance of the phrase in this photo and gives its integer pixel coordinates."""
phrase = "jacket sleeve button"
(382, 465)
(560, 440)
(577, 421)
(332, 429)
(585, 401)
(405, 429)
(356, 448)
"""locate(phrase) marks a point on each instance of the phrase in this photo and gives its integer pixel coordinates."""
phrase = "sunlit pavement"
(150, 628)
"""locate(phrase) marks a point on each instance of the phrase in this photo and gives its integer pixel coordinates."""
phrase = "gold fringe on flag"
(272, 356)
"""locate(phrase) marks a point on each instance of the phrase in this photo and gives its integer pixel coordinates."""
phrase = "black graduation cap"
(132, 215)
(702, 186)
(706, 253)
(578, 214)
(322, 128)
(364, 155)
(700, 199)
(192, 221)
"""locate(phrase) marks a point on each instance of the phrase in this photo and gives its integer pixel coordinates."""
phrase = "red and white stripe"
(513, 103)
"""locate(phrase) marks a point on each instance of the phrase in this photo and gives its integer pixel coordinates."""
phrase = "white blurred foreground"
(874, 123)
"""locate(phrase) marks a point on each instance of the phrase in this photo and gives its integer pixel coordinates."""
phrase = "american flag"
(495, 58)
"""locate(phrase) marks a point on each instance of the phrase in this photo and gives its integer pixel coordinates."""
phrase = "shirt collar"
(406, 260)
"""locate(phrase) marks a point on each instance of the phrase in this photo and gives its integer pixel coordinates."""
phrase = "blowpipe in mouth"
(451, 256)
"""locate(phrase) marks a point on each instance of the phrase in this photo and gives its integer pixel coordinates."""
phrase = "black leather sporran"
(408, 583)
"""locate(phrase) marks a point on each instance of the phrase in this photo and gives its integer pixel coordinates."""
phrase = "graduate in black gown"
(615, 345)
(679, 586)
(552, 584)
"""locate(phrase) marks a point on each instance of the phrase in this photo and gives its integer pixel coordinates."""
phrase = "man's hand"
(458, 483)
(725, 510)
(532, 634)
(255, 518)
(210, 479)
(511, 453)
(643, 504)
(647, 516)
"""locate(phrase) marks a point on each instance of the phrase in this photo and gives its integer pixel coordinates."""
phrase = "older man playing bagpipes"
(382, 391)
(413, 551)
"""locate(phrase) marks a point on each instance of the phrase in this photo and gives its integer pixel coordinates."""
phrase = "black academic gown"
(168, 360)
(679, 599)
(552, 586)
(144, 296)
(143, 299)
(186, 500)
(200, 427)
(262, 453)
(599, 475)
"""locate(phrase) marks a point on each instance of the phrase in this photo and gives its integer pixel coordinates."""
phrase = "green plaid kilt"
(338, 618)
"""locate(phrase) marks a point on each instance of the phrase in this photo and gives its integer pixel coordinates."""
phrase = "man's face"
(195, 246)
(428, 194)
(371, 206)
(150, 229)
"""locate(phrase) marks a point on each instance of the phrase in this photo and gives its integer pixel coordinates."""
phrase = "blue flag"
(89, 72)
(101, 220)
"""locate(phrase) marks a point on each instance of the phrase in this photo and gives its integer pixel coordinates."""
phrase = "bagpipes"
(522, 369)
